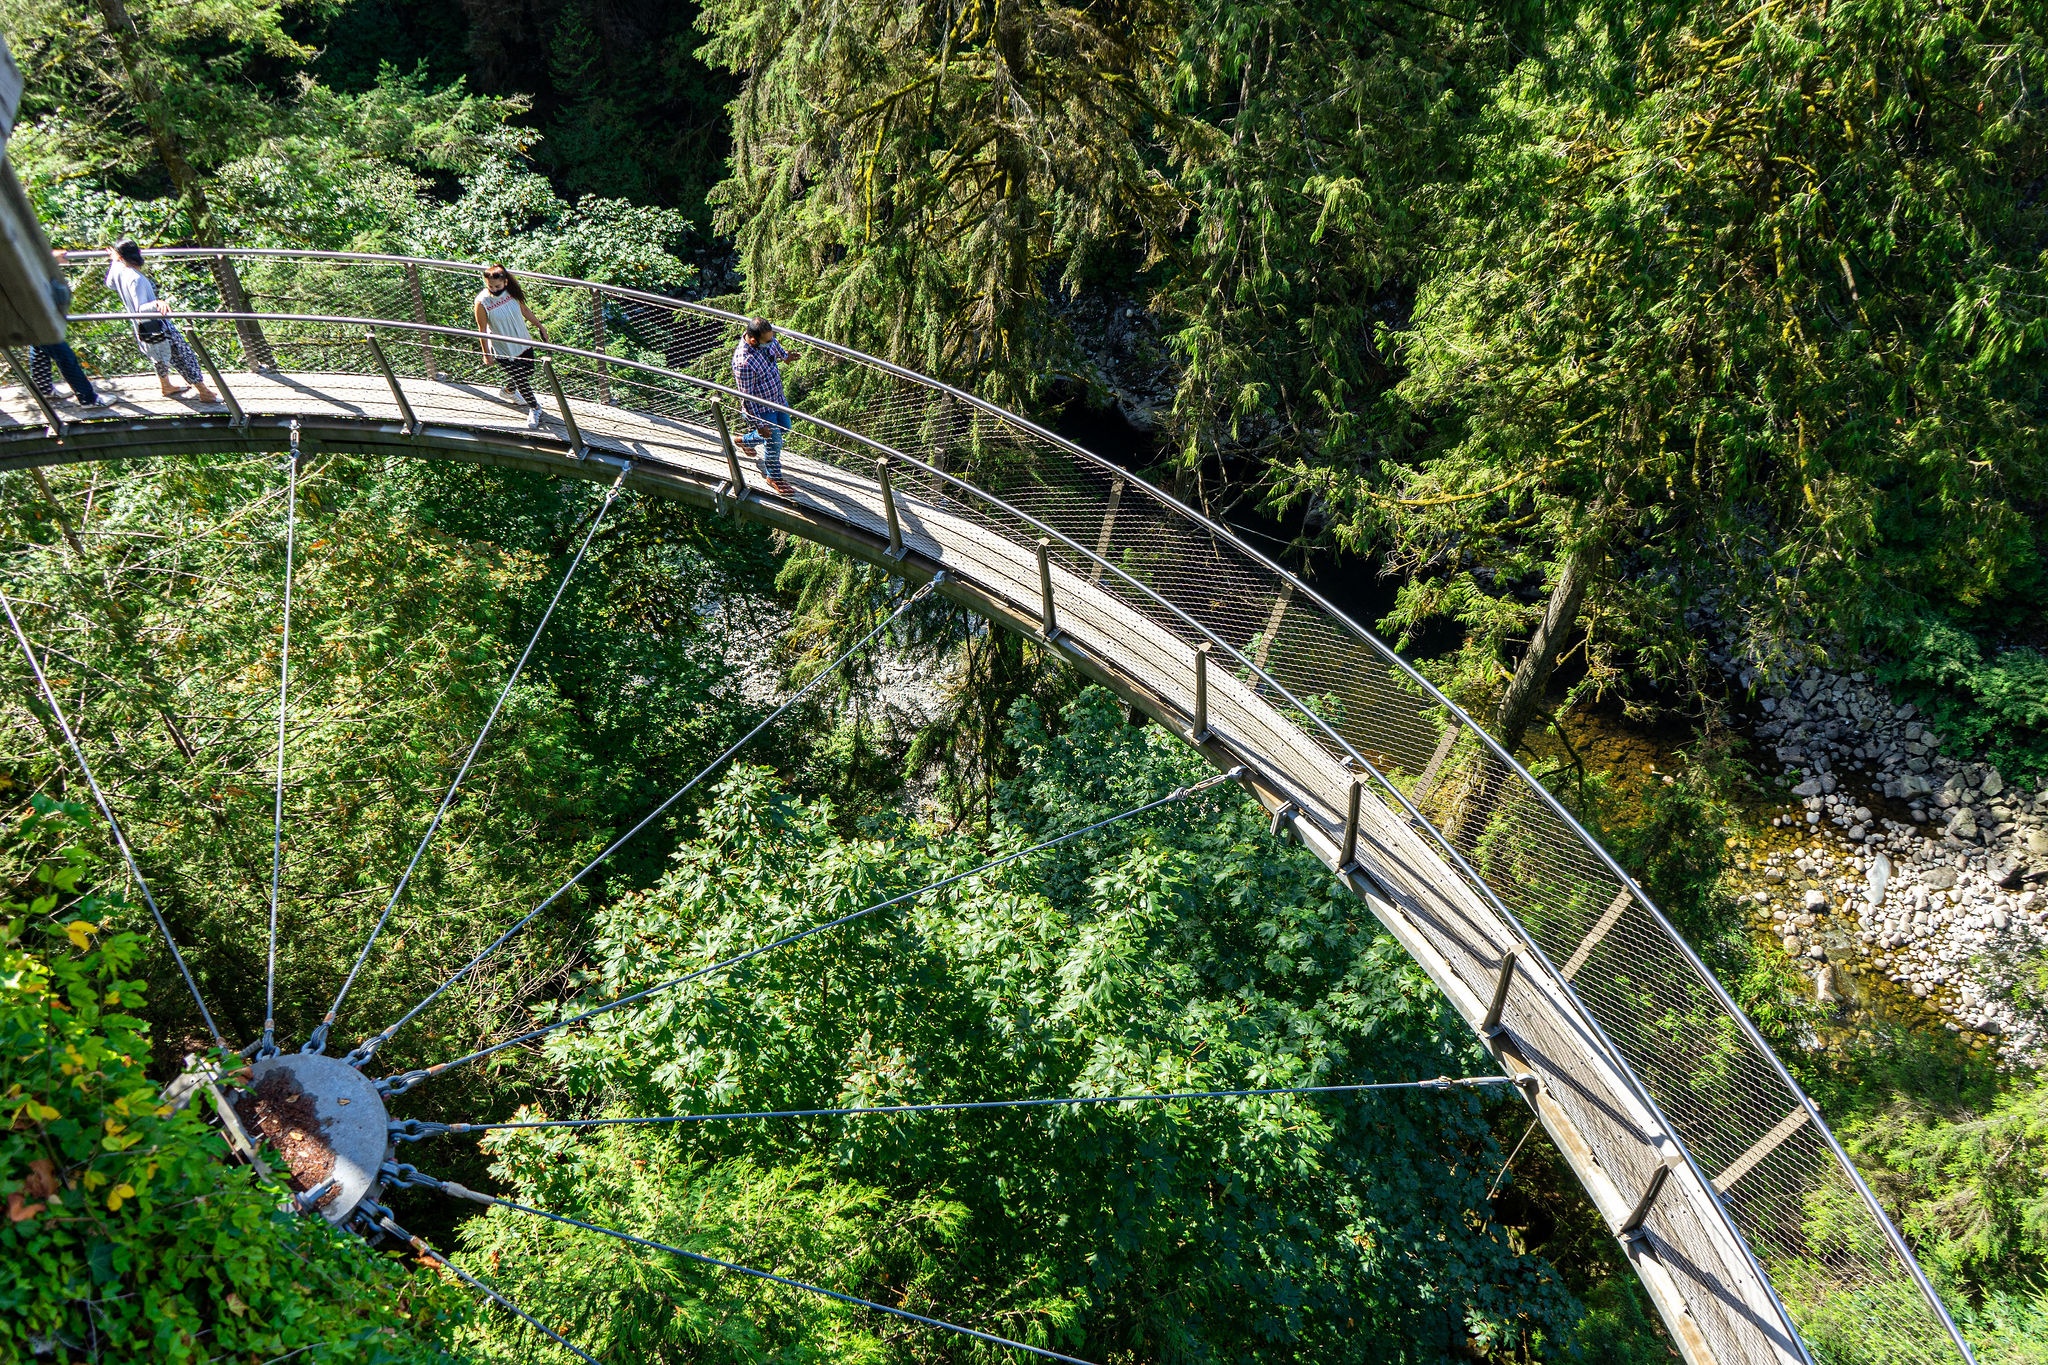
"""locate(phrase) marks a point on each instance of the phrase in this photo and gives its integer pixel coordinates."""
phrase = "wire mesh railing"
(1526, 872)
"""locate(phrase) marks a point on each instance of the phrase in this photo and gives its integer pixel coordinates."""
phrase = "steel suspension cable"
(268, 1046)
(412, 1130)
(107, 813)
(368, 1048)
(399, 1084)
(455, 1191)
(380, 1217)
(318, 1041)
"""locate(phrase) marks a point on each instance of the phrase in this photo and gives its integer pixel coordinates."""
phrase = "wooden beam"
(1436, 761)
(1599, 930)
(1272, 630)
(1762, 1148)
(1116, 496)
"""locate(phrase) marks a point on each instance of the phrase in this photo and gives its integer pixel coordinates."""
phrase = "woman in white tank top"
(502, 317)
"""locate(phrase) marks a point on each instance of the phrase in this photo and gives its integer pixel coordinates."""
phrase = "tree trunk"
(1524, 697)
(170, 150)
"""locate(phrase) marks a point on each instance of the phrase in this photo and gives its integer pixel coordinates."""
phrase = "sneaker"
(505, 391)
(533, 419)
(782, 486)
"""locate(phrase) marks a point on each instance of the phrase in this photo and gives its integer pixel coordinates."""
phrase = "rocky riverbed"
(1893, 869)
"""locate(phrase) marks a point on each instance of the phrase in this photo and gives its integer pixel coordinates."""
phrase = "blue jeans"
(771, 430)
(67, 360)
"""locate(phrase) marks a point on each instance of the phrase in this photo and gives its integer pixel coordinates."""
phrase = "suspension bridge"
(1751, 1231)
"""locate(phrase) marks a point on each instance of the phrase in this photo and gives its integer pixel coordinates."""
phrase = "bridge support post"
(412, 427)
(1349, 858)
(736, 482)
(419, 315)
(50, 417)
(1047, 617)
(1632, 1226)
(1491, 1025)
(1200, 731)
(227, 395)
(576, 446)
(889, 507)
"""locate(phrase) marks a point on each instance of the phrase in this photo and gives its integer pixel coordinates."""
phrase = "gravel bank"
(1929, 873)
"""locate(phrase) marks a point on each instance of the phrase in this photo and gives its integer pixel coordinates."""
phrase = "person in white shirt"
(162, 344)
(502, 317)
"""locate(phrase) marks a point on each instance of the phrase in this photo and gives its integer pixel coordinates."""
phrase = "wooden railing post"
(1350, 856)
(1500, 994)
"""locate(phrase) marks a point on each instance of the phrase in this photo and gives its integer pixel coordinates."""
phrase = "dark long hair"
(511, 280)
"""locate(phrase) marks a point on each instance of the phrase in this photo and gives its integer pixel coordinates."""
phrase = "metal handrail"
(1547, 798)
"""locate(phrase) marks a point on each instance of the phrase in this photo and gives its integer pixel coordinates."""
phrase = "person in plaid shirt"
(757, 373)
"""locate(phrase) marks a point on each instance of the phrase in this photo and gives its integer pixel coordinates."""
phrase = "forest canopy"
(1616, 359)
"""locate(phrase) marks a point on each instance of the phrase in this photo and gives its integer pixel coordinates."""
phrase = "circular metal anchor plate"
(326, 1120)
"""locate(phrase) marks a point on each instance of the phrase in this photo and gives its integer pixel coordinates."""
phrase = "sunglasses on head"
(494, 274)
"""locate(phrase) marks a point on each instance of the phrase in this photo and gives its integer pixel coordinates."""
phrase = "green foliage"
(417, 587)
(629, 108)
(127, 1235)
(1738, 303)
(1306, 229)
(793, 1218)
(507, 213)
(175, 128)
(1974, 1190)
(205, 125)
(1995, 707)
(910, 179)
(1184, 951)
(1668, 832)
(621, 105)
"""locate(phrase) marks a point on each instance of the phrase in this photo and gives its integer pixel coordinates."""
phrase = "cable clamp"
(366, 1049)
(412, 1130)
(398, 1085)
